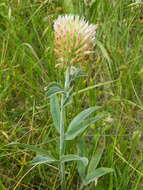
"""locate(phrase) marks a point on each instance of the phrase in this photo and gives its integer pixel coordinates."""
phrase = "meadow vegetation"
(27, 66)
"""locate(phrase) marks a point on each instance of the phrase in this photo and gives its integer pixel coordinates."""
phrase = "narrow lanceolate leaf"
(55, 111)
(51, 84)
(68, 97)
(81, 148)
(96, 174)
(54, 90)
(77, 130)
(76, 74)
(42, 160)
(31, 148)
(97, 154)
(81, 116)
(71, 157)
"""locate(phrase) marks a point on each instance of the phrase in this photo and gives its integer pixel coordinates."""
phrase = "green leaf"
(31, 148)
(55, 111)
(42, 160)
(104, 52)
(96, 174)
(68, 97)
(46, 155)
(2, 186)
(81, 148)
(51, 84)
(81, 116)
(54, 90)
(75, 130)
(76, 74)
(96, 155)
(71, 157)
(68, 100)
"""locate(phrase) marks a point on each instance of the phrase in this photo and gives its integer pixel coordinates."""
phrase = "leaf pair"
(55, 88)
(65, 158)
(45, 157)
(78, 124)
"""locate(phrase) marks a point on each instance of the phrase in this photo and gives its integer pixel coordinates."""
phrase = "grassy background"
(27, 66)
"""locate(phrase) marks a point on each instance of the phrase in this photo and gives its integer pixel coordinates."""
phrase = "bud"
(74, 40)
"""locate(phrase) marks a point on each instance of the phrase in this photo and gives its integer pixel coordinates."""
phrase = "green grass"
(27, 65)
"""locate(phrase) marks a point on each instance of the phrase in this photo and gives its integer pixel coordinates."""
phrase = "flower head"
(74, 39)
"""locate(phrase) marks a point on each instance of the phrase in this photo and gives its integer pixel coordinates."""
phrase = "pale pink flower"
(74, 39)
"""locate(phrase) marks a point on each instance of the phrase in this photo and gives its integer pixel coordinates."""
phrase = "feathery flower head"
(74, 39)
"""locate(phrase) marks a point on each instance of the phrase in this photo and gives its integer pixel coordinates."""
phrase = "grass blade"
(31, 148)
(2, 187)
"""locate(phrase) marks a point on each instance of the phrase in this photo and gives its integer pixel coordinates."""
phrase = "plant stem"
(62, 165)
(67, 77)
(62, 141)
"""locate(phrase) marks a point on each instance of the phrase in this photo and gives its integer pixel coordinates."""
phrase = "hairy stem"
(62, 165)
(62, 141)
